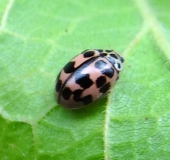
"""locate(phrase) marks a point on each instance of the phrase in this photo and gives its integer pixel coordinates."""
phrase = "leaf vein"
(155, 26)
(6, 13)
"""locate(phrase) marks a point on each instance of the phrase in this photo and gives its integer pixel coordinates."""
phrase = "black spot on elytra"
(122, 59)
(100, 50)
(100, 81)
(109, 50)
(88, 54)
(109, 72)
(114, 56)
(83, 80)
(105, 88)
(103, 54)
(66, 93)
(118, 65)
(87, 99)
(77, 94)
(100, 64)
(69, 67)
(58, 85)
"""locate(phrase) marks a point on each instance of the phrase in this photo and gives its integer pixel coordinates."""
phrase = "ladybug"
(87, 77)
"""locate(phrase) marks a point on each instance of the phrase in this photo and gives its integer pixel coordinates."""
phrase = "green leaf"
(38, 37)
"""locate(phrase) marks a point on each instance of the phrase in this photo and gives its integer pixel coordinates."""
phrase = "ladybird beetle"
(87, 77)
